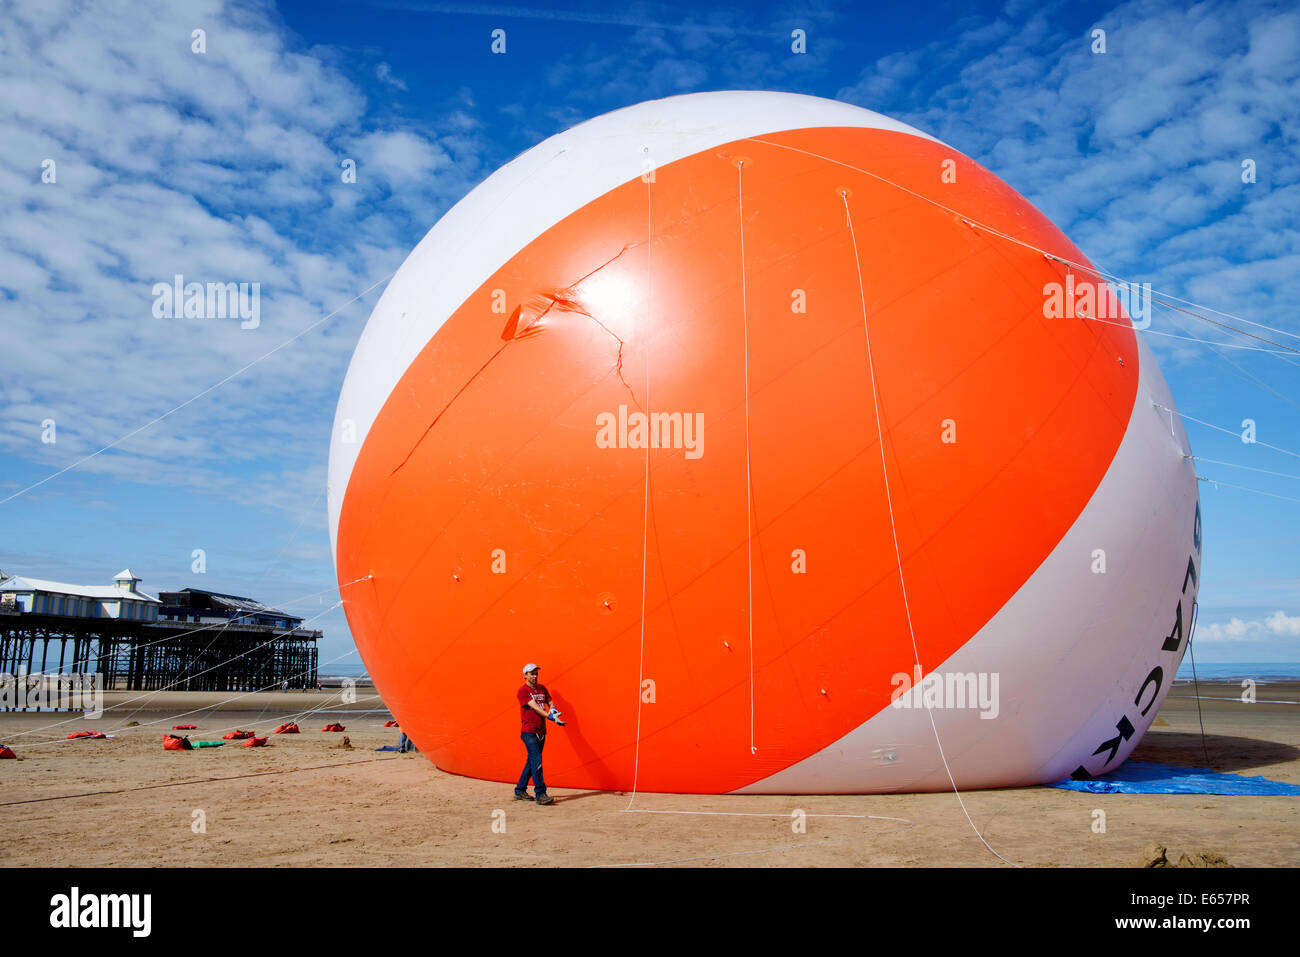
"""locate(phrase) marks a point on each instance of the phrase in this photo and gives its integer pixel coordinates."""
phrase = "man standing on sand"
(534, 710)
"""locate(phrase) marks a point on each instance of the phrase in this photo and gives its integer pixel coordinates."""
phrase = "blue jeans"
(533, 766)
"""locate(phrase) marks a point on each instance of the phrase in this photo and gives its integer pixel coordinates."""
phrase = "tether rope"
(749, 482)
(884, 466)
(645, 515)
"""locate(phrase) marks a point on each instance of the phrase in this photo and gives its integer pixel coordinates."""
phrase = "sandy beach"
(308, 801)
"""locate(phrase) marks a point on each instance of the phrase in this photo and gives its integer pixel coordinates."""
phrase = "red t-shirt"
(532, 721)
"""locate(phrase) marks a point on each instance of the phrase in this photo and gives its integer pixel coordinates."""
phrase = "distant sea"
(343, 669)
(1236, 670)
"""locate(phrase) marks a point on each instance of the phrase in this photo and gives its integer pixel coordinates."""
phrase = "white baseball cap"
(529, 667)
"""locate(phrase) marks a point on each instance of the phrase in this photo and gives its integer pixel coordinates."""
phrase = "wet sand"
(305, 801)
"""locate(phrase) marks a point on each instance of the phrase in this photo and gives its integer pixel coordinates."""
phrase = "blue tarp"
(1143, 777)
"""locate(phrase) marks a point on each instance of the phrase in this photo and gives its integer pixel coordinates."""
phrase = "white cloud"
(400, 156)
(384, 72)
(1277, 625)
(1280, 623)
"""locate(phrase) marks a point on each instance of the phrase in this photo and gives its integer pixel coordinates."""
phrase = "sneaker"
(545, 799)
(523, 797)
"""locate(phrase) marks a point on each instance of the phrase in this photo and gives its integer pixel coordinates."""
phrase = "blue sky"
(226, 164)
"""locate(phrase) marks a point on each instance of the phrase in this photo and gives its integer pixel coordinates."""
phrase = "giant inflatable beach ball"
(801, 453)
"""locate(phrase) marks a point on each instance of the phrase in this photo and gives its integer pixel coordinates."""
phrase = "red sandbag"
(334, 727)
(87, 734)
(172, 742)
(255, 743)
(289, 728)
(390, 724)
(237, 735)
(184, 727)
(6, 752)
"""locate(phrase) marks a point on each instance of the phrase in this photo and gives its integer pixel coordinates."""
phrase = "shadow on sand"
(1226, 753)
